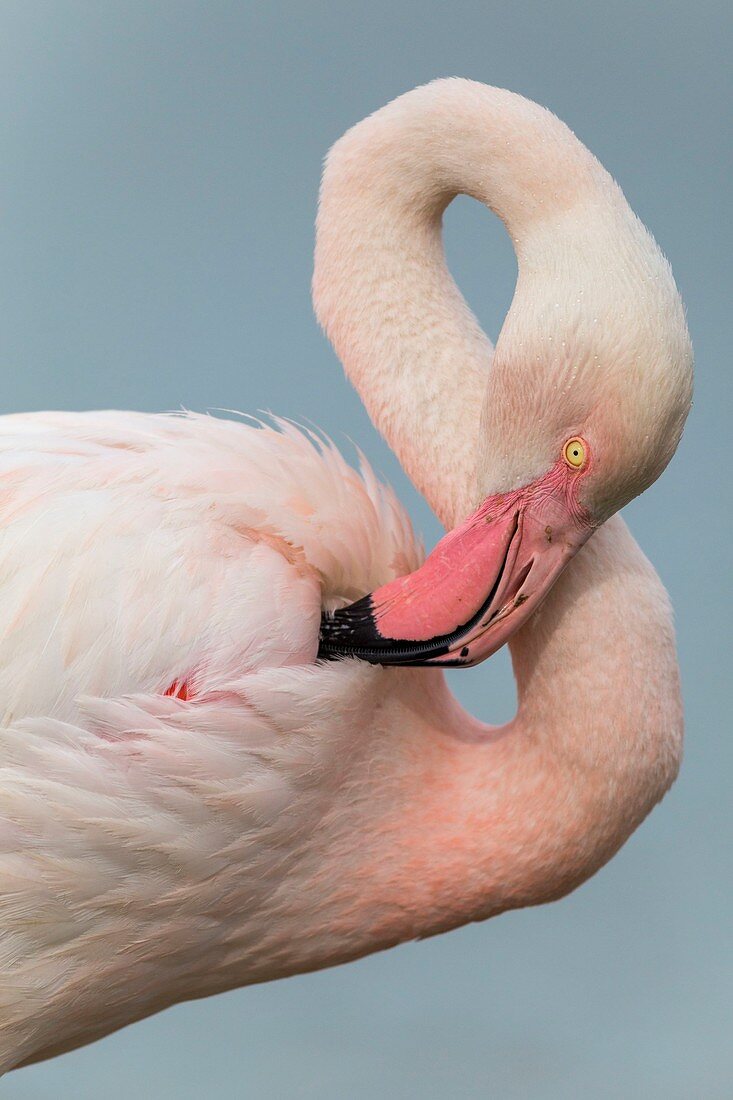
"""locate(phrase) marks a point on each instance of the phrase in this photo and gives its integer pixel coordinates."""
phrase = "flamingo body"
(116, 798)
(189, 799)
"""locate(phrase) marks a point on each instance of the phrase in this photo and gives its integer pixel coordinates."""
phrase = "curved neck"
(381, 286)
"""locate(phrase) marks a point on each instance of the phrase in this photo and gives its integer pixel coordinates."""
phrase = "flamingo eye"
(574, 453)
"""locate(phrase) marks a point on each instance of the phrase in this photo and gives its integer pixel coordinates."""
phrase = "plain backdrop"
(159, 165)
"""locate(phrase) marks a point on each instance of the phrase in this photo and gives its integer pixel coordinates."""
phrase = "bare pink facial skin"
(480, 583)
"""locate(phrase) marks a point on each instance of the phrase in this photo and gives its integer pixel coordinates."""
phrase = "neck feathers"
(381, 287)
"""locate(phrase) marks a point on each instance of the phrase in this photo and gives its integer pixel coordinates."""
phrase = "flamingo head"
(585, 404)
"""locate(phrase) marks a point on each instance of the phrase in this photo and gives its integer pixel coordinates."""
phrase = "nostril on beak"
(521, 578)
(511, 597)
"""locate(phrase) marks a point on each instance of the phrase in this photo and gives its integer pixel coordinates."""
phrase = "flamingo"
(211, 774)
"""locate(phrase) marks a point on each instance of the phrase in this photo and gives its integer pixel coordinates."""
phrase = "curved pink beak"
(481, 582)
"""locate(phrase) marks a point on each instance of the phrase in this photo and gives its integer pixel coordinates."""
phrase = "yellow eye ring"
(574, 453)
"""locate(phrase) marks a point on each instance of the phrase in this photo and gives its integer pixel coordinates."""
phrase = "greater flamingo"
(190, 800)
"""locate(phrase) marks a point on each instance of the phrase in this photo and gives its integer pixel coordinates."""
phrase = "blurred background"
(159, 165)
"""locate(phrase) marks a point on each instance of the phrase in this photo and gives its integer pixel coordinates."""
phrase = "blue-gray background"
(159, 163)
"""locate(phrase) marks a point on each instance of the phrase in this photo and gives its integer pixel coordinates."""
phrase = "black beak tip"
(351, 631)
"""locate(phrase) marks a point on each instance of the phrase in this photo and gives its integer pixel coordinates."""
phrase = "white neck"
(482, 820)
(381, 287)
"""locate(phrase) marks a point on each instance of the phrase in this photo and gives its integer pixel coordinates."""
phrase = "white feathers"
(139, 552)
